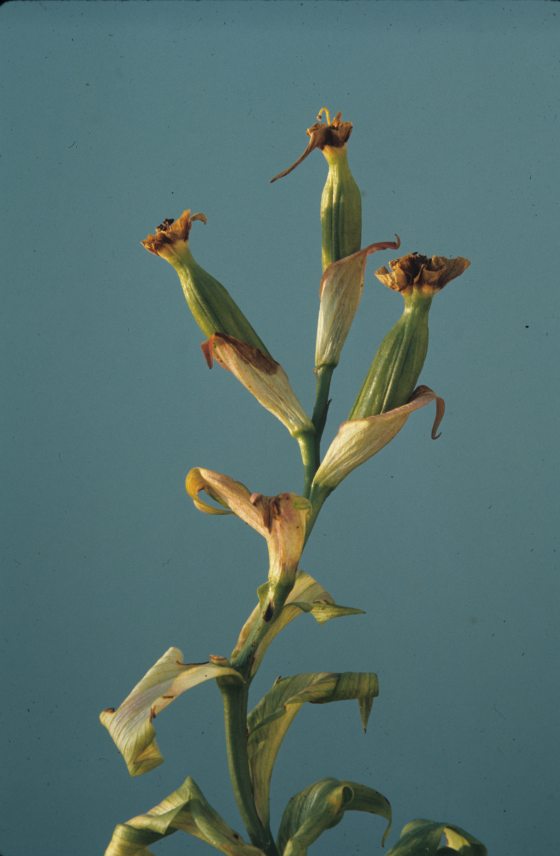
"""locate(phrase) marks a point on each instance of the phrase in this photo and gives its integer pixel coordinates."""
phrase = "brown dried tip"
(233, 346)
(171, 231)
(322, 134)
(418, 271)
(440, 408)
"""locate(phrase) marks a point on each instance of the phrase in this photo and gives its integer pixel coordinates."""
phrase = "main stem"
(235, 698)
(322, 387)
(309, 450)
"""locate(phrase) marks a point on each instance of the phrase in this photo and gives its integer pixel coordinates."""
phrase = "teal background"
(116, 115)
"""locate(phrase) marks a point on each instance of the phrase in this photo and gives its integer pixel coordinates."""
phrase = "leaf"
(358, 440)
(320, 807)
(307, 595)
(185, 809)
(269, 721)
(130, 725)
(428, 838)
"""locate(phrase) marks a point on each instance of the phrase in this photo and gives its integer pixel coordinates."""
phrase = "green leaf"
(185, 809)
(269, 721)
(130, 725)
(428, 838)
(320, 807)
(307, 595)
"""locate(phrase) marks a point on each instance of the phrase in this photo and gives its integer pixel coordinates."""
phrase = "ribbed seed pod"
(341, 202)
(341, 209)
(398, 362)
(213, 308)
(396, 367)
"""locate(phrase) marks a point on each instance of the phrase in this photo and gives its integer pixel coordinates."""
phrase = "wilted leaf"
(360, 439)
(320, 807)
(428, 838)
(273, 715)
(130, 725)
(307, 595)
(185, 809)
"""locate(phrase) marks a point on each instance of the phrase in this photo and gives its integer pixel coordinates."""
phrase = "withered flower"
(415, 271)
(396, 367)
(213, 308)
(281, 520)
(341, 201)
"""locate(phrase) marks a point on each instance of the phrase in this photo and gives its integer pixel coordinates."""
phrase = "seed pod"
(396, 367)
(341, 203)
(213, 308)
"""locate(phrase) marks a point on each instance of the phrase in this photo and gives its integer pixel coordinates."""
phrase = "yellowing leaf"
(428, 837)
(320, 807)
(360, 439)
(307, 595)
(130, 725)
(185, 809)
(271, 718)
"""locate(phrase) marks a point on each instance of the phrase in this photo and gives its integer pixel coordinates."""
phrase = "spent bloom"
(213, 308)
(398, 362)
(341, 201)
(281, 520)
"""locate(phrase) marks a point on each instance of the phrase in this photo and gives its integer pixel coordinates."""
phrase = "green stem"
(318, 496)
(322, 388)
(235, 697)
(309, 450)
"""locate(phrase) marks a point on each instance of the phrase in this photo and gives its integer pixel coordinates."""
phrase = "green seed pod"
(341, 209)
(341, 203)
(213, 308)
(396, 367)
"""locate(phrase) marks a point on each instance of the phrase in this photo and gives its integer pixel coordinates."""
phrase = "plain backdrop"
(116, 115)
